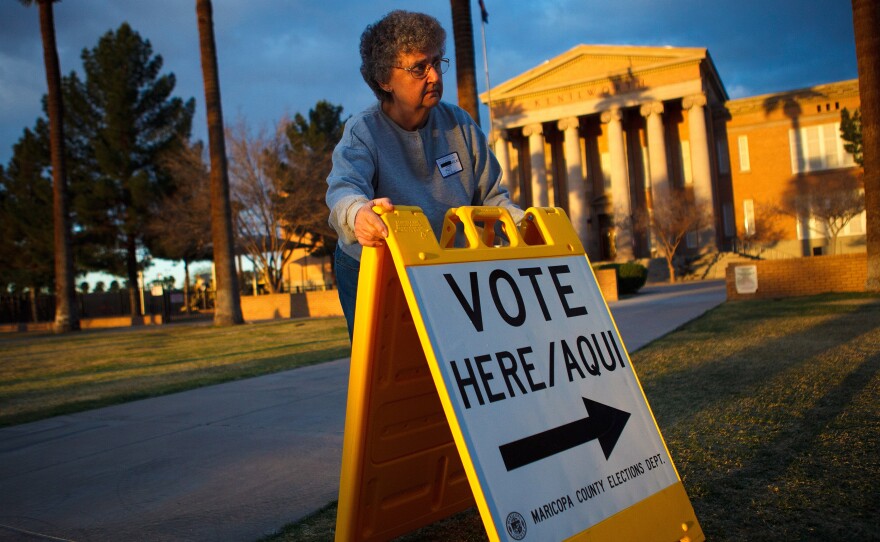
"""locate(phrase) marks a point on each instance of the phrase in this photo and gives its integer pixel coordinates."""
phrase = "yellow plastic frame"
(384, 343)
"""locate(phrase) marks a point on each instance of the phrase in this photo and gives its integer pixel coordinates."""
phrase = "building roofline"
(848, 87)
(674, 56)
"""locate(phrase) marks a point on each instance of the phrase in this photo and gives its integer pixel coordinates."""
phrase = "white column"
(699, 143)
(503, 156)
(620, 203)
(653, 112)
(535, 133)
(578, 206)
(700, 164)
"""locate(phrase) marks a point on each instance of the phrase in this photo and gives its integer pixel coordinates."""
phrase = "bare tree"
(258, 224)
(227, 306)
(181, 228)
(276, 210)
(764, 231)
(670, 220)
(831, 201)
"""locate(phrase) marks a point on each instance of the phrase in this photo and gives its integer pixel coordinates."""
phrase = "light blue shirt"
(447, 163)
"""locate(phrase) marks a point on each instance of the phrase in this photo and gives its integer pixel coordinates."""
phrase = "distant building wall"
(607, 280)
(283, 306)
(779, 142)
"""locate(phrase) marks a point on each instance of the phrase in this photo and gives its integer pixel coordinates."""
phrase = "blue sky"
(279, 57)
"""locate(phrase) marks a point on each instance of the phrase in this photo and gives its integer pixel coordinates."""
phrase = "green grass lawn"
(44, 375)
(770, 409)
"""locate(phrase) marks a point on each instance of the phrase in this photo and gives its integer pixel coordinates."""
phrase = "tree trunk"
(465, 69)
(32, 299)
(186, 286)
(66, 314)
(227, 303)
(131, 270)
(671, 269)
(866, 21)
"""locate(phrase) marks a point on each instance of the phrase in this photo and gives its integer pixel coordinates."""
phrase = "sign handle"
(479, 226)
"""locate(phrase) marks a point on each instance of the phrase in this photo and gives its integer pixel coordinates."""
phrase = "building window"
(729, 220)
(749, 217)
(809, 230)
(856, 226)
(723, 158)
(745, 163)
(816, 229)
(815, 148)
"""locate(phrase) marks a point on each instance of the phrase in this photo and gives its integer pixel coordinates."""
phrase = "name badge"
(449, 165)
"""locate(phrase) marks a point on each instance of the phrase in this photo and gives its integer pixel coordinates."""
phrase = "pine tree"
(851, 132)
(123, 119)
(26, 205)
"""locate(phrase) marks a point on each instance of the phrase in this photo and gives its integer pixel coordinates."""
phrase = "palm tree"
(227, 305)
(465, 70)
(66, 313)
(866, 20)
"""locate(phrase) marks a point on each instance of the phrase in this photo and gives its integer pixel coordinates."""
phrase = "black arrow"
(604, 423)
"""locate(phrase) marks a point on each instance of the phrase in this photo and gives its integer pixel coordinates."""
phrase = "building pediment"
(601, 74)
(596, 63)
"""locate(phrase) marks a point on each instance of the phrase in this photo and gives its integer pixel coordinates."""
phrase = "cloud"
(738, 91)
(18, 80)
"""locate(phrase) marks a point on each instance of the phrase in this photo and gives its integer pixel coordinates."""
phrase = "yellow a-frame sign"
(495, 376)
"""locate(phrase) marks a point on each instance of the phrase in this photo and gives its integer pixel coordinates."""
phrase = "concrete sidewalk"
(659, 309)
(231, 462)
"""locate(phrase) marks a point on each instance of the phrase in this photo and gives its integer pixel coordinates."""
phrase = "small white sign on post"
(746, 279)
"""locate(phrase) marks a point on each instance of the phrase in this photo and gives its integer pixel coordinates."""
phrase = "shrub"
(631, 276)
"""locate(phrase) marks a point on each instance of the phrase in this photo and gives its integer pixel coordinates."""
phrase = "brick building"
(784, 147)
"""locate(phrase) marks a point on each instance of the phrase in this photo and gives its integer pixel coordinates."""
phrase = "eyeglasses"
(420, 70)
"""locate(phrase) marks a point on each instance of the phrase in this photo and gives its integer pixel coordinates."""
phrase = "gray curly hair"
(398, 32)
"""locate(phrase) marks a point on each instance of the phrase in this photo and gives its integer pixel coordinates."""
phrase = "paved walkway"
(231, 462)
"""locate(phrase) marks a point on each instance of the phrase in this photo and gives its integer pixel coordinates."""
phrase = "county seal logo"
(516, 525)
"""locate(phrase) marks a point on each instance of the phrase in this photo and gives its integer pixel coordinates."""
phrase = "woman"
(409, 148)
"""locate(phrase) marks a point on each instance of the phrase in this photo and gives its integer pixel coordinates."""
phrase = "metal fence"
(25, 308)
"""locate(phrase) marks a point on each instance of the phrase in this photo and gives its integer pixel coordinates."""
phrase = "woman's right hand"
(368, 226)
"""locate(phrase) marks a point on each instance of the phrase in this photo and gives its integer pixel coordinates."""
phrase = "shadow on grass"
(783, 440)
(745, 371)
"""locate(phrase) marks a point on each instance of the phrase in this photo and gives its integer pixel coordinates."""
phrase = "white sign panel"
(746, 279)
(555, 422)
